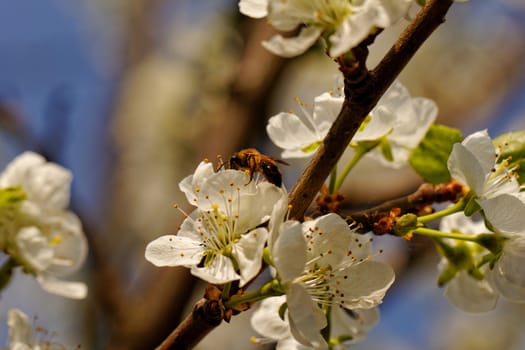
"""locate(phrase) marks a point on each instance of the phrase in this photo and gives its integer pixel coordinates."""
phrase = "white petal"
(277, 218)
(305, 317)
(481, 146)
(507, 275)
(326, 110)
(73, 290)
(471, 295)
(355, 323)
(34, 247)
(350, 32)
(288, 131)
(219, 272)
(505, 212)
(192, 183)
(254, 8)
(20, 327)
(173, 250)
(289, 251)
(248, 253)
(69, 244)
(364, 285)
(328, 237)
(266, 321)
(294, 46)
(460, 222)
(389, 11)
(465, 167)
(17, 170)
(257, 209)
(49, 185)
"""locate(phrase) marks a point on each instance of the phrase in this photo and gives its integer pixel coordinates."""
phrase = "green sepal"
(311, 147)
(386, 149)
(448, 273)
(282, 310)
(429, 158)
(472, 206)
(493, 242)
(11, 196)
(513, 149)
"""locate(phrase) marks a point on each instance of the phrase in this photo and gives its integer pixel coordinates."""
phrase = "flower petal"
(173, 250)
(220, 271)
(248, 253)
(34, 247)
(20, 327)
(465, 168)
(326, 110)
(471, 295)
(328, 239)
(254, 8)
(505, 212)
(266, 321)
(507, 275)
(305, 317)
(293, 46)
(192, 183)
(363, 285)
(73, 290)
(288, 131)
(481, 146)
(289, 251)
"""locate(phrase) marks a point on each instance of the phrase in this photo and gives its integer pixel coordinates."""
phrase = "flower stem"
(438, 234)
(359, 153)
(266, 291)
(459, 206)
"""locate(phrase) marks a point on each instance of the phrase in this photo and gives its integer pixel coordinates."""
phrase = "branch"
(360, 98)
(380, 218)
(205, 316)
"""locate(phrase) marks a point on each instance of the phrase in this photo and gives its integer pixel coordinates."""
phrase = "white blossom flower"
(299, 135)
(220, 241)
(43, 236)
(330, 266)
(400, 119)
(473, 163)
(345, 23)
(507, 276)
(464, 291)
(22, 336)
(352, 326)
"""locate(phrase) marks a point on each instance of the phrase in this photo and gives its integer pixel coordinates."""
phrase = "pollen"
(55, 240)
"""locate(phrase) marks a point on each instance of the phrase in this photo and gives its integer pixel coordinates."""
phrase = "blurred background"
(132, 94)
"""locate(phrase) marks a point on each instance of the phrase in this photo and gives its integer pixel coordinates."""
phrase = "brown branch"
(360, 98)
(374, 219)
(205, 316)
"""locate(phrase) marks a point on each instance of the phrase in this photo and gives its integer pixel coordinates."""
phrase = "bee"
(252, 161)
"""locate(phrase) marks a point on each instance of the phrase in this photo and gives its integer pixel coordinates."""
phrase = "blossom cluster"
(397, 123)
(37, 231)
(342, 23)
(224, 238)
(496, 193)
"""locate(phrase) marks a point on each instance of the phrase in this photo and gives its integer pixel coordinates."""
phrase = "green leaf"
(513, 150)
(429, 158)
